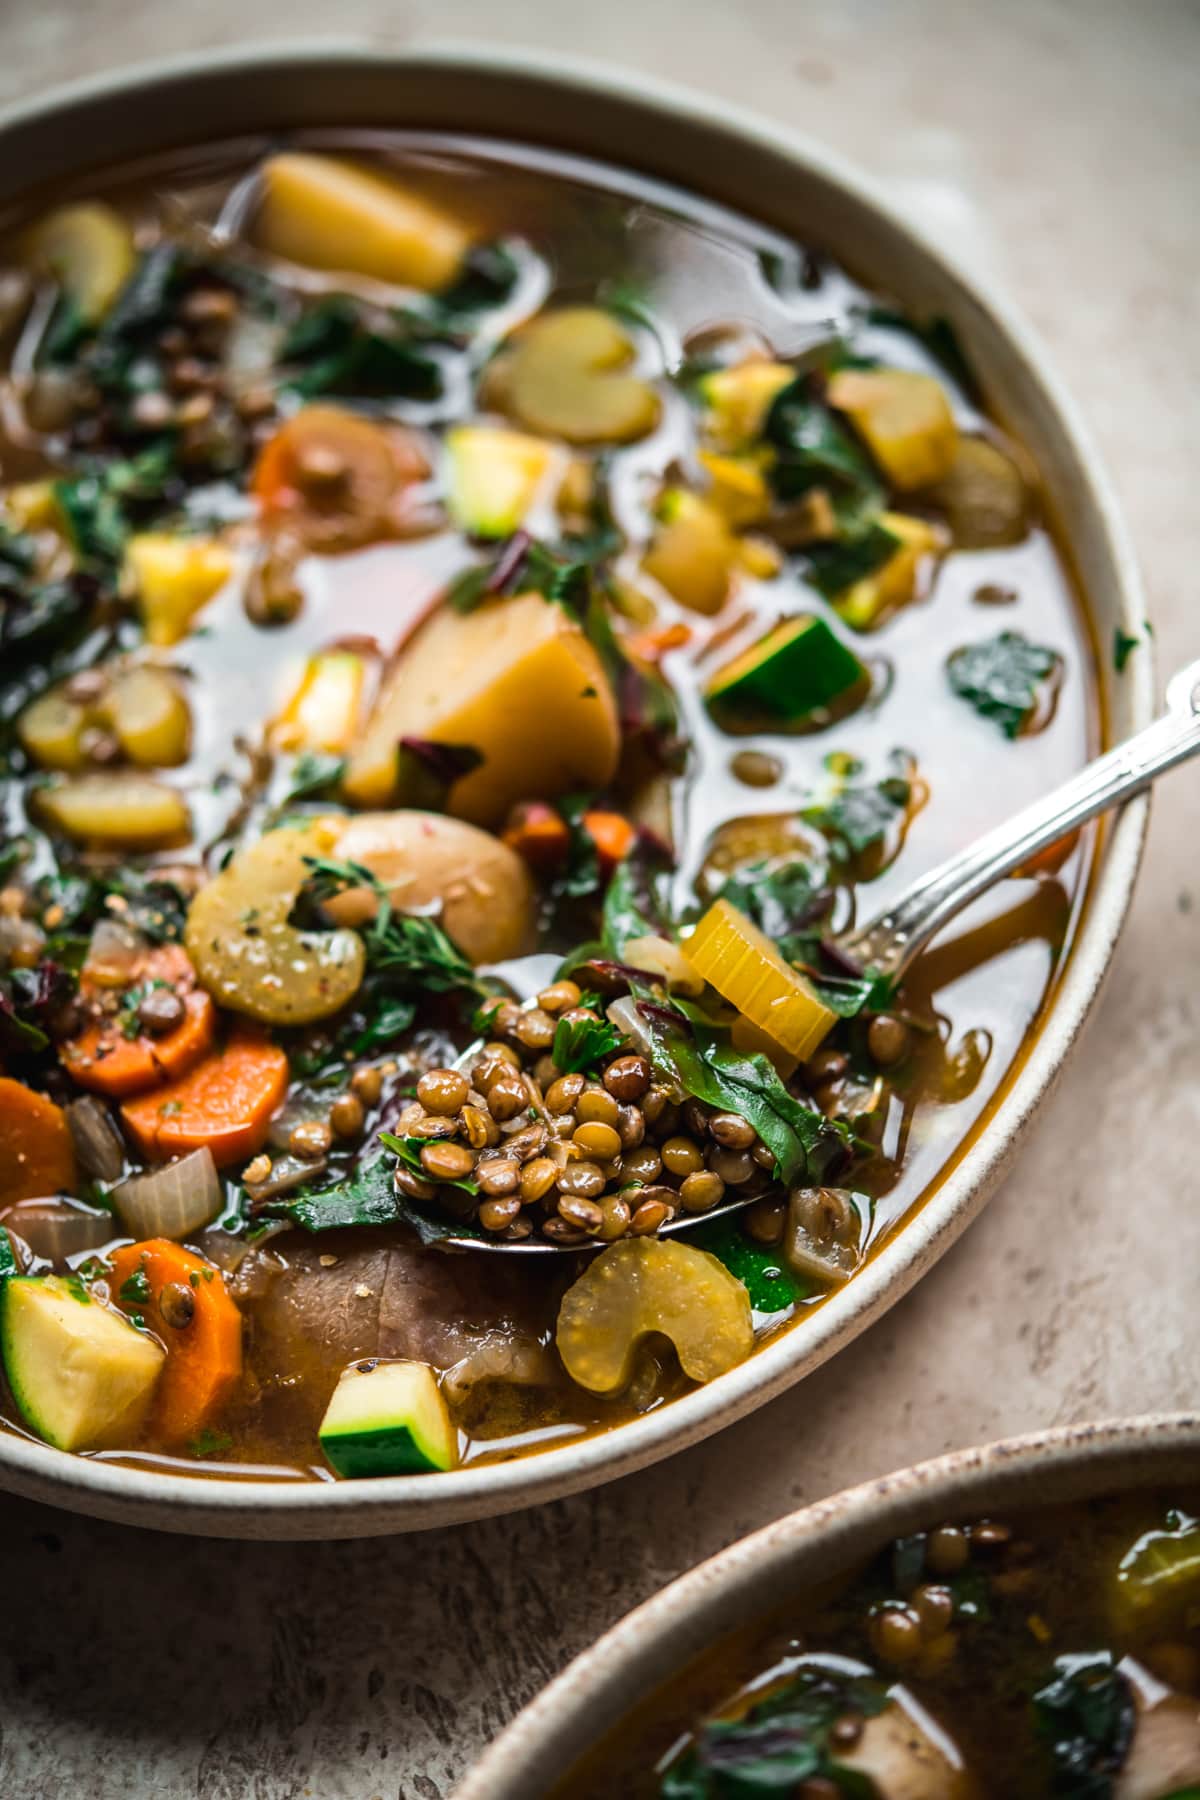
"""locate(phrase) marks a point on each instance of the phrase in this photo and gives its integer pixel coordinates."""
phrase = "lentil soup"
(475, 626)
(1048, 1654)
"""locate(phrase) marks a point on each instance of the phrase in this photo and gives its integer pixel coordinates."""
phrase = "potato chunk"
(518, 683)
(329, 214)
(122, 808)
(481, 887)
(903, 418)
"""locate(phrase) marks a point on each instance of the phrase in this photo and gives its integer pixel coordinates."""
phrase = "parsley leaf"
(579, 1044)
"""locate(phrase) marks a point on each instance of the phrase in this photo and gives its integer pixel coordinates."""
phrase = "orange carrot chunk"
(107, 1059)
(183, 1300)
(37, 1157)
(224, 1104)
(612, 835)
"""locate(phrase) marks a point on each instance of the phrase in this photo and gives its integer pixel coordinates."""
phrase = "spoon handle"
(889, 942)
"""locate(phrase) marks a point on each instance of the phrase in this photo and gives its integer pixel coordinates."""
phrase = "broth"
(216, 418)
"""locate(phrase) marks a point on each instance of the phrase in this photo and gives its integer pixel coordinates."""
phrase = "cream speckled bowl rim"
(749, 1579)
(568, 102)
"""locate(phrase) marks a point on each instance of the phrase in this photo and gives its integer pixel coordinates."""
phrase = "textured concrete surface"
(1057, 145)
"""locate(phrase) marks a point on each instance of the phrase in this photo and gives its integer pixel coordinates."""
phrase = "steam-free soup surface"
(476, 625)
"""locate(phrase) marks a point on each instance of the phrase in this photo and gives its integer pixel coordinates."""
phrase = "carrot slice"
(200, 1327)
(225, 1104)
(538, 833)
(612, 835)
(37, 1156)
(104, 1058)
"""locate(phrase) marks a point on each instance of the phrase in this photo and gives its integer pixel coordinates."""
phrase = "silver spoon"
(889, 943)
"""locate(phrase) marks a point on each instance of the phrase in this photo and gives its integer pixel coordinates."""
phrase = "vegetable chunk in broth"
(1053, 1654)
(473, 626)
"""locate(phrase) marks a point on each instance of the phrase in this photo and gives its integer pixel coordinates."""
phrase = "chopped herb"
(859, 817)
(1003, 678)
(579, 1044)
(136, 1289)
(210, 1443)
(1124, 645)
(313, 775)
(786, 901)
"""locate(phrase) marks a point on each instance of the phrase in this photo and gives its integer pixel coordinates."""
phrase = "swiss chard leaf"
(488, 276)
(860, 816)
(1085, 1716)
(863, 546)
(579, 1044)
(771, 1285)
(632, 905)
(102, 506)
(778, 1744)
(332, 350)
(1003, 678)
(786, 901)
(368, 1197)
(814, 450)
(699, 1057)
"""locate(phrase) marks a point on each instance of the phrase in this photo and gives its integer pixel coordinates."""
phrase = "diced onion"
(824, 1234)
(659, 956)
(115, 953)
(57, 1230)
(171, 1202)
(97, 1141)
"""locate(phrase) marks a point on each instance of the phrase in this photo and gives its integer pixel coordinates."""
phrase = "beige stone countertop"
(1056, 147)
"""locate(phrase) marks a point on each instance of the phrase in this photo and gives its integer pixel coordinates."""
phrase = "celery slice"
(746, 969)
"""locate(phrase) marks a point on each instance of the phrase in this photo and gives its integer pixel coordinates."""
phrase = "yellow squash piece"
(496, 476)
(693, 552)
(121, 808)
(518, 683)
(172, 578)
(652, 1285)
(88, 248)
(895, 583)
(51, 729)
(738, 400)
(149, 717)
(566, 375)
(247, 954)
(738, 490)
(746, 969)
(904, 419)
(324, 712)
(325, 213)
